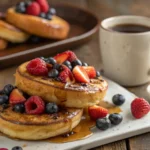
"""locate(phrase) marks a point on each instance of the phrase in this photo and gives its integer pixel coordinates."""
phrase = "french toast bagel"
(67, 94)
(12, 34)
(57, 28)
(38, 127)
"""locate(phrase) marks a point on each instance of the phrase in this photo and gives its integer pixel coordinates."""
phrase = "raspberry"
(43, 5)
(72, 56)
(34, 105)
(139, 108)
(37, 67)
(33, 9)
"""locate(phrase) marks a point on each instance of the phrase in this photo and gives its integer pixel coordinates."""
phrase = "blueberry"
(51, 108)
(49, 16)
(98, 74)
(76, 62)
(103, 124)
(43, 58)
(53, 73)
(115, 118)
(51, 60)
(52, 11)
(5, 106)
(8, 89)
(17, 148)
(21, 4)
(67, 63)
(42, 15)
(84, 64)
(70, 67)
(118, 99)
(19, 108)
(28, 3)
(57, 66)
(3, 99)
(35, 39)
(20, 8)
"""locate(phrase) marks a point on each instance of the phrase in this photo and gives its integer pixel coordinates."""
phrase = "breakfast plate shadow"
(128, 127)
(83, 25)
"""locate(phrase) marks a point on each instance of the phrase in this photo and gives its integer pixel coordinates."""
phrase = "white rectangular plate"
(129, 127)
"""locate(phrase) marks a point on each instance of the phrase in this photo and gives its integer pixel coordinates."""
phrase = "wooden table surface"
(90, 53)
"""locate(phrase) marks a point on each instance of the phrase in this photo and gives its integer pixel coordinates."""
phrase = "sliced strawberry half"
(97, 112)
(90, 70)
(67, 55)
(65, 75)
(16, 97)
(80, 74)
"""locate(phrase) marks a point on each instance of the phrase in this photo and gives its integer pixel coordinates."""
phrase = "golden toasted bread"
(69, 94)
(57, 28)
(38, 127)
(11, 33)
(3, 44)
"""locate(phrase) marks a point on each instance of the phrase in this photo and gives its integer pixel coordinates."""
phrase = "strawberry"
(90, 70)
(43, 5)
(33, 9)
(97, 112)
(139, 108)
(80, 74)
(62, 57)
(16, 97)
(67, 55)
(65, 75)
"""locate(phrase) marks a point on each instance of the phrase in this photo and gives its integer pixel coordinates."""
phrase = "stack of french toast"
(49, 97)
(29, 20)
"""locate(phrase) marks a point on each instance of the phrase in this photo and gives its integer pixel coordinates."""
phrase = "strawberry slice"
(62, 57)
(90, 70)
(16, 97)
(67, 55)
(80, 74)
(65, 75)
(97, 112)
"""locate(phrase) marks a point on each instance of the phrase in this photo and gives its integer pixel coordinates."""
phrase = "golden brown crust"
(3, 44)
(11, 33)
(38, 127)
(69, 95)
(57, 28)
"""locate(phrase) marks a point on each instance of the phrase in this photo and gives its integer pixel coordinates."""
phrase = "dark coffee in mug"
(130, 28)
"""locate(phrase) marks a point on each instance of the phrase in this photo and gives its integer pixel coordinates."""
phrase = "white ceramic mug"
(125, 56)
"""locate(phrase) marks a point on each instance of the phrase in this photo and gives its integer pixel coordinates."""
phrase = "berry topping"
(43, 5)
(115, 118)
(139, 108)
(62, 57)
(96, 112)
(53, 73)
(65, 75)
(98, 74)
(16, 97)
(20, 8)
(3, 99)
(7, 89)
(33, 9)
(34, 105)
(49, 17)
(67, 55)
(103, 124)
(84, 64)
(52, 11)
(37, 67)
(57, 67)
(19, 108)
(17, 148)
(51, 108)
(42, 15)
(76, 62)
(118, 99)
(90, 71)
(51, 60)
(80, 74)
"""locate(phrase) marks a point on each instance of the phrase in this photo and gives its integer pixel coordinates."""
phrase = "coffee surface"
(130, 28)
